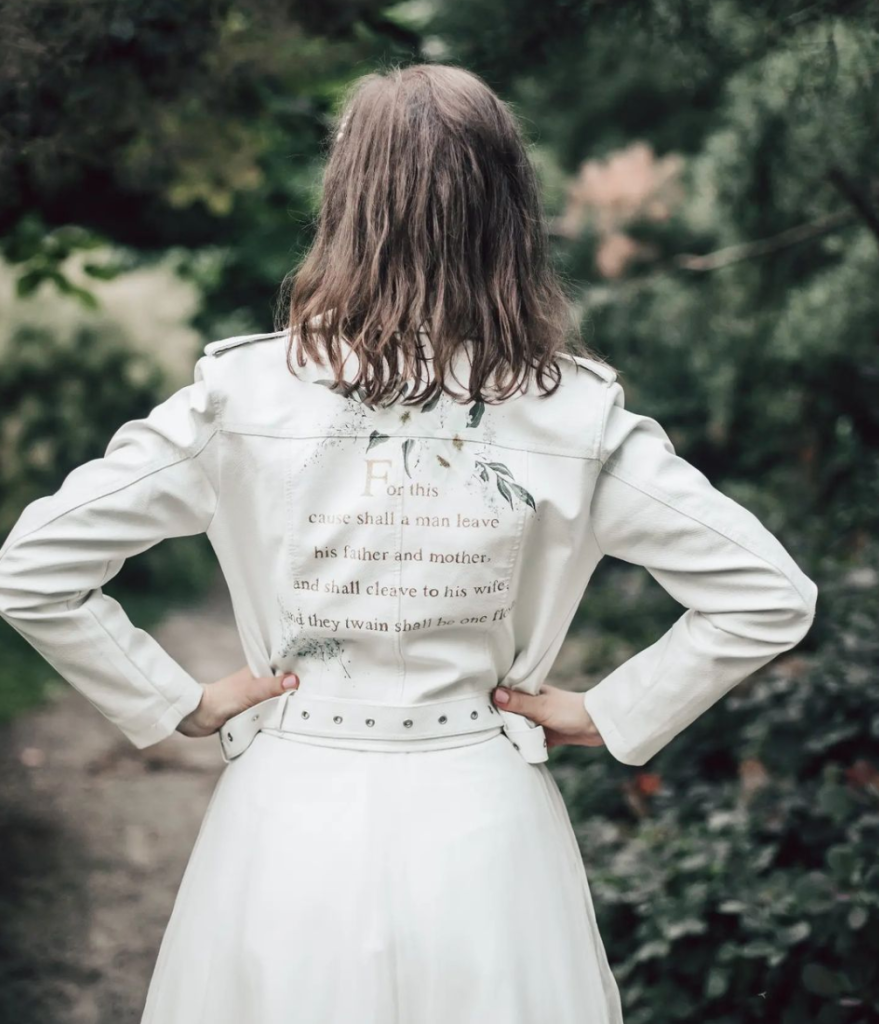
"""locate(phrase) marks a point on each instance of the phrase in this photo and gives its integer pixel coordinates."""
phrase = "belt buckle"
(240, 730)
(526, 736)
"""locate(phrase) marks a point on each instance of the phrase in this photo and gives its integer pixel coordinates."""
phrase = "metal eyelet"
(408, 723)
(305, 714)
(474, 714)
(370, 721)
(337, 719)
(442, 719)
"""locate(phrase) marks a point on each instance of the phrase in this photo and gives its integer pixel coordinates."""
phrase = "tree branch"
(724, 257)
(859, 199)
(764, 246)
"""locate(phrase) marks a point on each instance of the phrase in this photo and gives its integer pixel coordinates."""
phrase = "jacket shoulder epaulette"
(603, 370)
(214, 348)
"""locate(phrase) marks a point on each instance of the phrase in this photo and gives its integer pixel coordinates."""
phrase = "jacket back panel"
(407, 552)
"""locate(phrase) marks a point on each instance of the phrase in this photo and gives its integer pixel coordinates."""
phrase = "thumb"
(264, 687)
(528, 704)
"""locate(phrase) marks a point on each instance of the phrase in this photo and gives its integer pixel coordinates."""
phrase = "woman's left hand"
(229, 696)
(561, 713)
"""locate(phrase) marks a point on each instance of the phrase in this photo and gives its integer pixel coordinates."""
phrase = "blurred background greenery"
(711, 173)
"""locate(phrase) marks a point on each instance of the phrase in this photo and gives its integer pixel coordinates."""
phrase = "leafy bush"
(736, 876)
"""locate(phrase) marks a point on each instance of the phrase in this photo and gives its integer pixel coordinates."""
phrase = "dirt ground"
(95, 835)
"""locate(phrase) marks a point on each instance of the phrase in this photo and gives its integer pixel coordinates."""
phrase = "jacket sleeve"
(746, 599)
(156, 480)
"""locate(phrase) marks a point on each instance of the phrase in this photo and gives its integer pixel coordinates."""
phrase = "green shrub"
(735, 875)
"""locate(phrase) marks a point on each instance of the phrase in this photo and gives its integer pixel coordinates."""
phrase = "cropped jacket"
(402, 553)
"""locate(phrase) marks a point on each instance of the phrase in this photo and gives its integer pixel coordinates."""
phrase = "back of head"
(430, 237)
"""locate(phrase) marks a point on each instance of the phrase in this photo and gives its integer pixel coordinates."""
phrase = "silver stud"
(442, 719)
(474, 714)
(305, 714)
(337, 719)
(370, 721)
(408, 722)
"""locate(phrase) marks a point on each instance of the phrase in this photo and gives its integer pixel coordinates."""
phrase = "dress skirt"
(331, 885)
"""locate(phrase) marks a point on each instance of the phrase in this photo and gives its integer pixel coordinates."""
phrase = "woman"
(407, 488)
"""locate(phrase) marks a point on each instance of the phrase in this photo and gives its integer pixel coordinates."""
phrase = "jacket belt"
(304, 713)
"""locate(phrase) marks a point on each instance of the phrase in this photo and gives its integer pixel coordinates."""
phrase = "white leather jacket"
(402, 554)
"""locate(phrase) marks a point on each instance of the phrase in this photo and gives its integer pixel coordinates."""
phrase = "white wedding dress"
(339, 886)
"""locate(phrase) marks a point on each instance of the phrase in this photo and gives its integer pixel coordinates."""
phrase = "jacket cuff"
(596, 705)
(158, 722)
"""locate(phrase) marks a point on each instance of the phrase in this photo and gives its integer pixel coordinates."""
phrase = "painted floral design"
(297, 643)
(453, 455)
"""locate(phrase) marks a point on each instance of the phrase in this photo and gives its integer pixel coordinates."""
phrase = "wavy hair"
(431, 226)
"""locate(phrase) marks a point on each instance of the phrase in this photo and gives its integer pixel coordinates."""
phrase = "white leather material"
(432, 725)
(406, 554)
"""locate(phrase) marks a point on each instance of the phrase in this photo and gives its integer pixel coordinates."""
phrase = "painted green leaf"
(499, 467)
(407, 447)
(520, 492)
(476, 411)
(376, 438)
(481, 470)
(505, 491)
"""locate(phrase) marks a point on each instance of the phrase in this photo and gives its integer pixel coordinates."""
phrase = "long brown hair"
(430, 224)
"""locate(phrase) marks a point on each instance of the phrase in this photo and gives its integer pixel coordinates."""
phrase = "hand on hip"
(231, 695)
(561, 713)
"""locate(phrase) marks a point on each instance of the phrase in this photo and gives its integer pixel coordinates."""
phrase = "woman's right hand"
(231, 695)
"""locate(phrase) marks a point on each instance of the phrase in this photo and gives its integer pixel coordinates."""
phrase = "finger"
(264, 687)
(528, 704)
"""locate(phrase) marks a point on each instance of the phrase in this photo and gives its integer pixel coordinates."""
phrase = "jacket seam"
(129, 721)
(218, 421)
(515, 558)
(566, 620)
(95, 704)
(115, 642)
(609, 402)
(601, 424)
(216, 490)
(249, 432)
(114, 490)
(664, 500)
